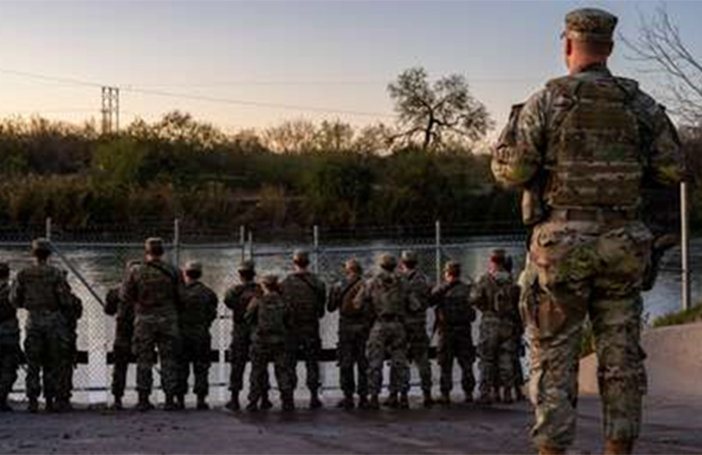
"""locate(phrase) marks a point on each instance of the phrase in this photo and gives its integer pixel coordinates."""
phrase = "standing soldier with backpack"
(42, 290)
(454, 318)
(198, 312)
(387, 295)
(354, 327)
(122, 345)
(497, 297)
(306, 295)
(154, 288)
(237, 299)
(270, 320)
(416, 321)
(9, 339)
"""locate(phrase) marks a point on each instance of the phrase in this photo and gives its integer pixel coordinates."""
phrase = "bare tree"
(436, 112)
(660, 46)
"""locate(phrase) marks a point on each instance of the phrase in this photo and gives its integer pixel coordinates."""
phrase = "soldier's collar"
(594, 68)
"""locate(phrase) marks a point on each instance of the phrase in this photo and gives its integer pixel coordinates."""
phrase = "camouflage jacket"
(153, 288)
(114, 306)
(341, 297)
(452, 304)
(497, 297)
(270, 319)
(198, 310)
(524, 152)
(419, 294)
(238, 297)
(40, 287)
(9, 326)
(305, 294)
(386, 294)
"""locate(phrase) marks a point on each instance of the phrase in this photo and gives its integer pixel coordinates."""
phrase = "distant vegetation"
(691, 315)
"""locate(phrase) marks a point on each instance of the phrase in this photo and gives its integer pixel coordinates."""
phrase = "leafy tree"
(434, 113)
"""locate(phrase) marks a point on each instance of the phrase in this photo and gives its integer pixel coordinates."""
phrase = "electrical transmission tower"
(110, 110)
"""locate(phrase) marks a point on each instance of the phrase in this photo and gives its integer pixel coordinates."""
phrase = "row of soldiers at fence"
(171, 313)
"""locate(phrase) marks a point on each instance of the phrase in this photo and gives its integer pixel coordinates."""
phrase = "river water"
(102, 266)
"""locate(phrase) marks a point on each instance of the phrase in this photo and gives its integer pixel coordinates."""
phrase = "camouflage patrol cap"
(590, 24)
(193, 266)
(247, 266)
(153, 245)
(269, 280)
(409, 256)
(453, 268)
(387, 261)
(41, 244)
(301, 257)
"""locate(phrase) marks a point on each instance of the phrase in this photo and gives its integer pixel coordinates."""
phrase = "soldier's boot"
(374, 404)
(392, 401)
(252, 406)
(315, 403)
(363, 402)
(485, 397)
(144, 404)
(202, 403)
(117, 405)
(519, 394)
(288, 401)
(550, 450)
(346, 403)
(33, 406)
(266, 402)
(445, 399)
(170, 404)
(618, 447)
(428, 400)
(404, 401)
(4, 407)
(63, 405)
(50, 405)
(233, 403)
(469, 398)
(507, 397)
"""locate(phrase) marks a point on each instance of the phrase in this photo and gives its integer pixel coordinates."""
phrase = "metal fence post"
(438, 251)
(47, 229)
(251, 246)
(176, 242)
(242, 242)
(315, 236)
(685, 246)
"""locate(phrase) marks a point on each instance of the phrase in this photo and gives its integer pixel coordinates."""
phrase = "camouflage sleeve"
(252, 312)
(17, 291)
(518, 154)
(334, 297)
(231, 297)
(62, 291)
(212, 301)
(362, 299)
(478, 297)
(129, 292)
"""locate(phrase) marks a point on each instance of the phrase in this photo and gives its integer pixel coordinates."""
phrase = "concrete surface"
(669, 428)
(673, 363)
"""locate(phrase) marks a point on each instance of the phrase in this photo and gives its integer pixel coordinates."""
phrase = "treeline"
(294, 174)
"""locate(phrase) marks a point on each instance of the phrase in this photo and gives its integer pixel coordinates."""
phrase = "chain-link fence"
(96, 259)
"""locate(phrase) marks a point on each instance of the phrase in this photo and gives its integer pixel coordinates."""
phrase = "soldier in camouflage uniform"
(416, 321)
(42, 290)
(155, 289)
(237, 299)
(270, 319)
(520, 350)
(9, 339)
(584, 149)
(122, 345)
(354, 327)
(387, 295)
(198, 312)
(454, 316)
(497, 297)
(305, 294)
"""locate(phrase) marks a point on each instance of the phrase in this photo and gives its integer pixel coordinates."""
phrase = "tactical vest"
(270, 321)
(388, 295)
(44, 288)
(502, 297)
(594, 151)
(454, 307)
(348, 309)
(305, 299)
(157, 285)
(243, 295)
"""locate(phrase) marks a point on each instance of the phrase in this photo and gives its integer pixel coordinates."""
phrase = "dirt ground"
(669, 428)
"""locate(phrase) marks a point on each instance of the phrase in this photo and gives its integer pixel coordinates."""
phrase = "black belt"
(595, 215)
(390, 318)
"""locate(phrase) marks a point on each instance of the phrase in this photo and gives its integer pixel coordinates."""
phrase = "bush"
(691, 315)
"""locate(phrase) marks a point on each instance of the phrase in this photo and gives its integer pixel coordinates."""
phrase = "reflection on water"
(103, 268)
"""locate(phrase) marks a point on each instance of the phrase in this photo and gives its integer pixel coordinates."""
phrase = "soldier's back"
(42, 286)
(156, 287)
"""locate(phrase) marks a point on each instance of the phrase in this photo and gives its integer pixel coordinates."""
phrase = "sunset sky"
(333, 55)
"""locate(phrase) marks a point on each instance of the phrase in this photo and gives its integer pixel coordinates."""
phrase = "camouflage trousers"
(496, 352)
(576, 271)
(418, 343)
(157, 332)
(456, 344)
(261, 355)
(121, 355)
(308, 347)
(49, 352)
(239, 350)
(195, 354)
(9, 362)
(352, 355)
(387, 338)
